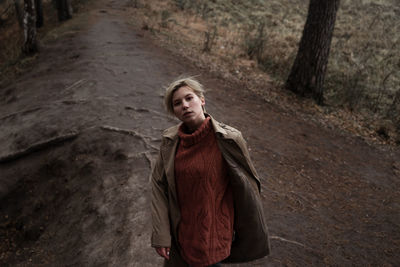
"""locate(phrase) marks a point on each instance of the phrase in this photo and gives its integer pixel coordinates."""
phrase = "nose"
(185, 104)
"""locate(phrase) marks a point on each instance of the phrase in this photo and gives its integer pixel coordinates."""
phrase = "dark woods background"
(30, 17)
(341, 54)
(23, 22)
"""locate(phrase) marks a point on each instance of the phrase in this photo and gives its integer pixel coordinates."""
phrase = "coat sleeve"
(251, 239)
(242, 157)
(245, 150)
(161, 236)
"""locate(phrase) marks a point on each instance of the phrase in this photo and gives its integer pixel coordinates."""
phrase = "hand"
(163, 252)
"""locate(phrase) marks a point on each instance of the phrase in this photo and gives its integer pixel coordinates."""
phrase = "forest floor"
(80, 131)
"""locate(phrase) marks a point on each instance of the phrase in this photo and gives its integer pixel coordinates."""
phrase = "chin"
(187, 121)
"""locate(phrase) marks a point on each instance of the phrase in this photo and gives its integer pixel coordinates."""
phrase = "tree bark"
(39, 13)
(308, 72)
(64, 9)
(19, 13)
(30, 42)
(70, 9)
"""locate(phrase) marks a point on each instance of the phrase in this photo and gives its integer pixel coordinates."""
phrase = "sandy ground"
(80, 131)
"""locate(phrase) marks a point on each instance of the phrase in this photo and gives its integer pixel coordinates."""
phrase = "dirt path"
(329, 198)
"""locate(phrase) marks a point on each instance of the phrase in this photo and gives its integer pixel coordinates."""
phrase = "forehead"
(182, 92)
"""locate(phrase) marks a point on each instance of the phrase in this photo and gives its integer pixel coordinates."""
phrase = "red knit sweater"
(205, 198)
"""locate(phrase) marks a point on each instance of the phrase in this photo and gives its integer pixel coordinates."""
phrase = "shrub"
(209, 39)
(165, 15)
(255, 42)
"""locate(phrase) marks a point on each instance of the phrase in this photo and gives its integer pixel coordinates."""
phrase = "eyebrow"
(182, 97)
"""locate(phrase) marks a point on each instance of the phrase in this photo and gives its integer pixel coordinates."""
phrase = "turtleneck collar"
(195, 137)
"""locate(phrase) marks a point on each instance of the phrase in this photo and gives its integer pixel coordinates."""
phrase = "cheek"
(198, 103)
(177, 110)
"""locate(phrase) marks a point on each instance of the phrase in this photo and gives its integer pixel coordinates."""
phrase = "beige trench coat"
(251, 236)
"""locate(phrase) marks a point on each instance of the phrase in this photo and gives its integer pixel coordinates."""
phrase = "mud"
(329, 198)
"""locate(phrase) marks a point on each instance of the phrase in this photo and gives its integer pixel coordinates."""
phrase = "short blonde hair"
(191, 82)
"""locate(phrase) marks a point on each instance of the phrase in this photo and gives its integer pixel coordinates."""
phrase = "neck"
(193, 126)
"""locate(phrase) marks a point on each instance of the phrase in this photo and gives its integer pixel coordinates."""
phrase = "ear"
(203, 101)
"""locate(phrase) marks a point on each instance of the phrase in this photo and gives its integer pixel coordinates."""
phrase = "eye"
(188, 98)
(176, 103)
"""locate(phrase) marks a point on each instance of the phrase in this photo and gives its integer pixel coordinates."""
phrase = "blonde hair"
(191, 82)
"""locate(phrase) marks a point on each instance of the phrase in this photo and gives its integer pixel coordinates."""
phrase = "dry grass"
(365, 57)
(363, 74)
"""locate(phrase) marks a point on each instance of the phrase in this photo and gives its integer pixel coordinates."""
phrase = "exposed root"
(265, 187)
(76, 84)
(150, 111)
(38, 146)
(20, 112)
(137, 109)
(130, 132)
(73, 102)
(303, 199)
(253, 114)
(29, 110)
(151, 160)
(287, 240)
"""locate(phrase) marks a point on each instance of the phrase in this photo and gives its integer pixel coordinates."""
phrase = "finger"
(167, 253)
(163, 252)
(159, 251)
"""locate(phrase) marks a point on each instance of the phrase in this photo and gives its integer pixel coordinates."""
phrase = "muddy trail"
(81, 130)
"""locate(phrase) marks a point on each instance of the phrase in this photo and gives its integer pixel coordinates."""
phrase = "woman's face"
(188, 107)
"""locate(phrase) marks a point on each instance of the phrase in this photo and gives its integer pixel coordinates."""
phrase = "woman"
(206, 205)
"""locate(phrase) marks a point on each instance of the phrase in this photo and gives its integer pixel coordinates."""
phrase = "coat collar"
(172, 133)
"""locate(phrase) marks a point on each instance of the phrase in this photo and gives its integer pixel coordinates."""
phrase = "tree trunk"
(308, 72)
(19, 13)
(39, 13)
(30, 43)
(60, 10)
(70, 9)
(64, 9)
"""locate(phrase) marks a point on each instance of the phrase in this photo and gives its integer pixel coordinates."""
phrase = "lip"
(187, 113)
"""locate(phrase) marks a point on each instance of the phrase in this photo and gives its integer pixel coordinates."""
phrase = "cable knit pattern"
(205, 198)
